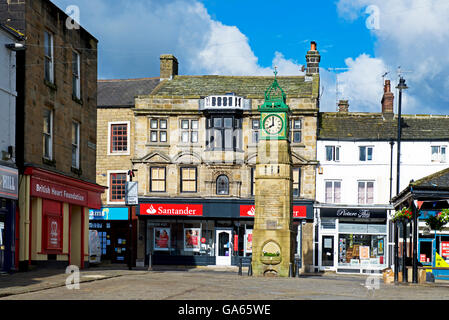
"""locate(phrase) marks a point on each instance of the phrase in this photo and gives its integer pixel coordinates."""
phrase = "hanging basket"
(438, 221)
(405, 214)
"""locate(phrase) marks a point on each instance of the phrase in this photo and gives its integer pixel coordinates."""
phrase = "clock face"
(273, 124)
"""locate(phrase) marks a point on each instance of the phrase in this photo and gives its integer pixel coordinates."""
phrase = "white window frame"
(189, 131)
(333, 190)
(77, 145)
(109, 172)
(334, 153)
(77, 76)
(366, 153)
(52, 58)
(365, 182)
(127, 153)
(50, 140)
(439, 158)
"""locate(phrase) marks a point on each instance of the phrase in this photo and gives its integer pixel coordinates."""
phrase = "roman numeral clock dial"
(273, 124)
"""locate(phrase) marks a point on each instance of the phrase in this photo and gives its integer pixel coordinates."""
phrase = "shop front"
(202, 231)
(111, 225)
(433, 245)
(54, 218)
(8, 202)
(351, 240)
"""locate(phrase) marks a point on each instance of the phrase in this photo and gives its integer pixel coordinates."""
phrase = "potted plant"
(402, 215)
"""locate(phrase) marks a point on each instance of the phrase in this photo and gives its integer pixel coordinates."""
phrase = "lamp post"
(401, 86)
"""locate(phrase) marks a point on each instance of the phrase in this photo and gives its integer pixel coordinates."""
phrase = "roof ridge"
(133, 79)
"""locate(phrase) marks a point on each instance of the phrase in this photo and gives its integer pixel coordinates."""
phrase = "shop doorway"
(223, 242)
(327, 250)
(426, 249)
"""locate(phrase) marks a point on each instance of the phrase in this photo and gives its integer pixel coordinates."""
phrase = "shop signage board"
(9, 186)
(48, 190)
(250, 211)
(109, 214)
(353, 213)
(161, 209)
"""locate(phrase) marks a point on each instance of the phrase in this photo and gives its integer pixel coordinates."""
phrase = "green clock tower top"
(275, 98)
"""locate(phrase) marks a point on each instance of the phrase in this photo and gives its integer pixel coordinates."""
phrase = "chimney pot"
(313, 46)
(313, 60)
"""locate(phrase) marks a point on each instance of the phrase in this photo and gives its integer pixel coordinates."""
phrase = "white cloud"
(133, 34)
(413, 34)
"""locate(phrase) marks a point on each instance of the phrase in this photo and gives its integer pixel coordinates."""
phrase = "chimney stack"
(343, 106)
(313, 60)
(387, 99)
(169, 67)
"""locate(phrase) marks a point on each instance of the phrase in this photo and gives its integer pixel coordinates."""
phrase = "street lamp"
(401, 86)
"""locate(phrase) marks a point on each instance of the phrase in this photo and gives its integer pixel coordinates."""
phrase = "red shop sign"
(250, 211)
(47, 190)
(158, 209)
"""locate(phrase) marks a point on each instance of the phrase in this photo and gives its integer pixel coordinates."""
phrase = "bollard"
(240, 267)
(150, 263)
(290, 270)
(250, 269)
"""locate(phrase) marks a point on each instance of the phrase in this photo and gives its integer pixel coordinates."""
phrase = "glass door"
(327, 251)
(425, 251)
(223, 247)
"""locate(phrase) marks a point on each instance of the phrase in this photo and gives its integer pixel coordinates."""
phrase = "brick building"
(193, 141)
(55, 133)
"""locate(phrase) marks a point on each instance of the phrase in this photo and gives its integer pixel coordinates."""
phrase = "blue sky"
(249, 37)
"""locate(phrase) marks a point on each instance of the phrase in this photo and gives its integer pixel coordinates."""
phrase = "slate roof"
(246, 86)
(121, 93)
(439, 179)
(375, 126)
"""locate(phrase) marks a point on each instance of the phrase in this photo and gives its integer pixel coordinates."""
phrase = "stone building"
(195, 148)
(55, 133)
(115, 135)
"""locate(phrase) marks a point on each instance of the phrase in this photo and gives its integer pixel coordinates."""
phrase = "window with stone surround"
(49, 57)
(158, 130)
(119, 136)
(296, 130)
(75, 145)
(48, 134)
(117, 186)
(189, 131)
(188, 179)
(253, 181)
(296, 182)
(76, 78)
(255, 126)
(157, 179)
(224, 133)
(222, 185)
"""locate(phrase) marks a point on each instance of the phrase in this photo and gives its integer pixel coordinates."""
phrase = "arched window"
(222, 185)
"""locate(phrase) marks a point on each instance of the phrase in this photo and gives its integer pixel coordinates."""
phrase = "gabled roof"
(121, 93)
(246, 86)
(377, 126)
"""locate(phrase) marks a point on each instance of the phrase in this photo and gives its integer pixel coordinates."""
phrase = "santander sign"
(163, 209)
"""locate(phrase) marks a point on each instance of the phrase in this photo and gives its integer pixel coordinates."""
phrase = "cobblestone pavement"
(207, 284)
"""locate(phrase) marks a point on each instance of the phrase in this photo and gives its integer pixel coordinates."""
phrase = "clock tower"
(272, 233)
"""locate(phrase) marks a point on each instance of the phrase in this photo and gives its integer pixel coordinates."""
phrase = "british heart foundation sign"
(250, 211)
(159, 209)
